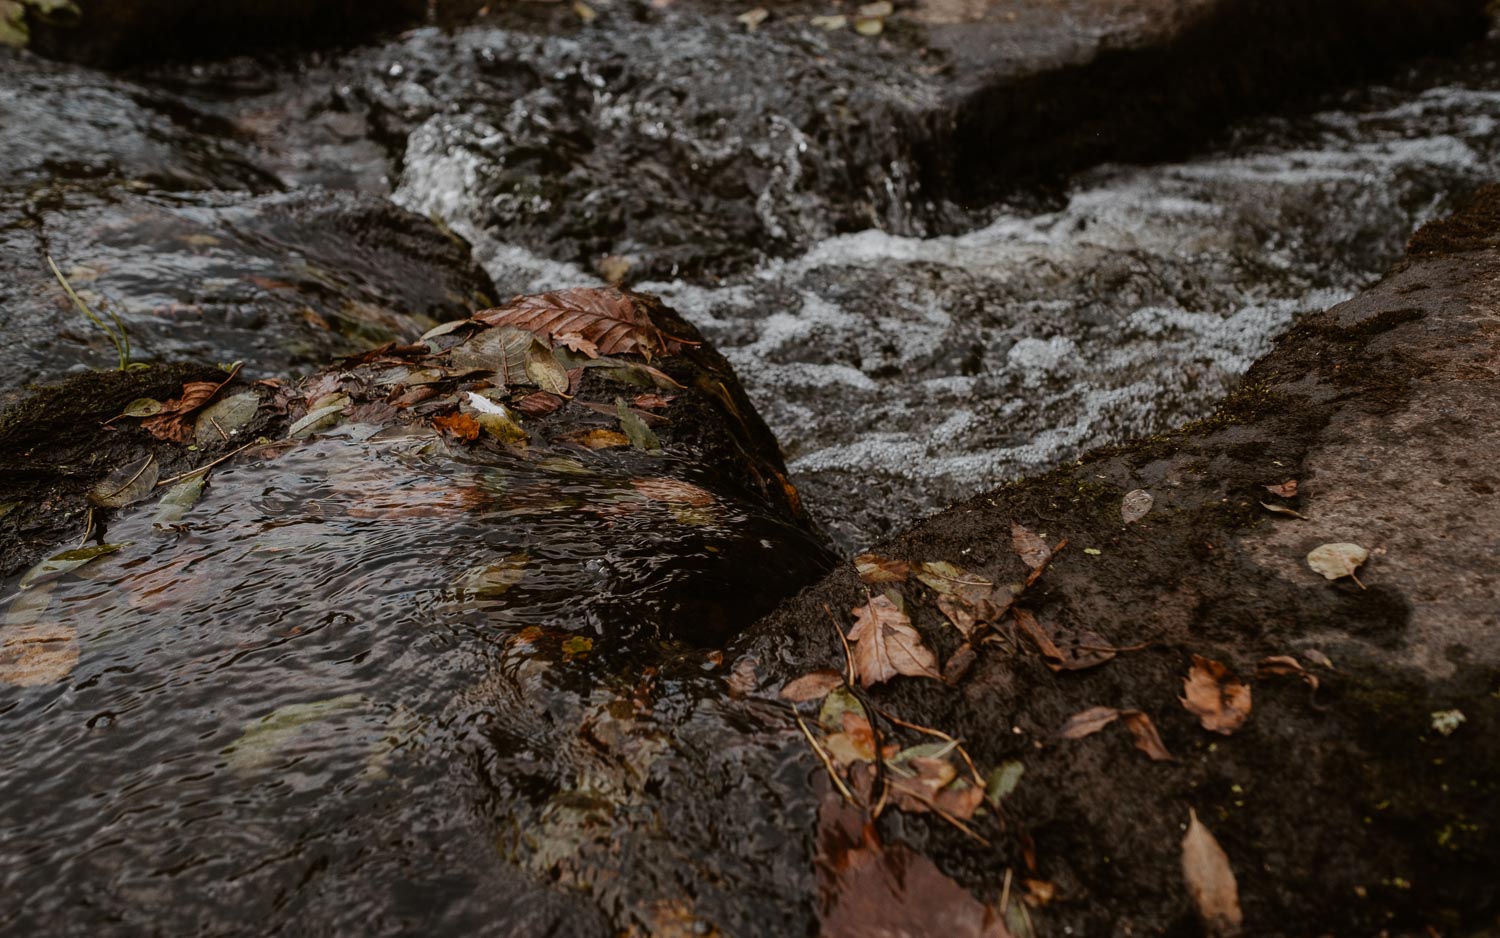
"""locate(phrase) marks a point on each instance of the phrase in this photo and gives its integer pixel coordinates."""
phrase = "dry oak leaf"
(1220, 700)
(886, 644)
(609, 318)
(1210, 880)
(1032, 550)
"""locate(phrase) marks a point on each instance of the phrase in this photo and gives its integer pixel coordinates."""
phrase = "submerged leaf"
(65, 562)
(126, 485)
(179, 499)
(1136, 505)
(494, 579)
(1210, 880)
(37, 653)
(263, 740)
(886, 644)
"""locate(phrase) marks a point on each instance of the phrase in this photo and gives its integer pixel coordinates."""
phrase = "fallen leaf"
(673, 491)
(543, 368)
(964, 615)
(866, 889)
(578, 343)
(1287, 489)
(1032, 550)
(1044, 644)
(839, 701)
(814, 686)
(174, 505)
(949, 579)
(855, 742)
(142, 407)
(577, 646)
(221, 420)
(463, 426)
(1136, 505)
(959, 663)
(1210, 880)
(1318, 658)
(1147, 740)
(265, 739)
(832, 22)
(753, 18)
(1219, 700)
(1003, 780)
(37, 653)
(170, 422)
(598, 438)
(493, 579)
(885, 644)
(126, 485)
(873, 569)
(1091, 721)
(1285, 666)
(1088, 722)
(641, 436)
(1283, 510)
(608, 317)
(653, 401)
(313, 421)
(539, 404)
(503, 351)
(1335, 561)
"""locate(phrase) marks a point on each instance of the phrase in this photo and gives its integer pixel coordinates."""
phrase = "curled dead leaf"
(1285, 666)
(1219, 700)
(885, 644)
(1142, 730)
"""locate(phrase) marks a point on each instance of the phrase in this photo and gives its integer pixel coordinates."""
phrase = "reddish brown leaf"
(1032, 550)
(959, 663)
(1088, 722)
(814, 686)
(463, 426)
(1220, 700)
(1080, 650)
(653, 401)
(873, 569)
(1044, 644)
(673, 491)
(170, 423)
(885, 644)
(855, 744)
(1285, 666)
(607, 317)
(867, 889)
(1287, 489)
(1210, 880)
(960, 612)
(539, 403)
(578, 343)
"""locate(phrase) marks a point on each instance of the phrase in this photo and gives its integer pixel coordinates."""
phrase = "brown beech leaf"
(539, 403)
(1032, 550)
(963, 615)
(463, 426)
(814, 686)
(1220, 700)
(653, 401)
(867, 889)
(885, 644)
(873, 569)
(1287, 489)
(609, 318)
(1210, 880)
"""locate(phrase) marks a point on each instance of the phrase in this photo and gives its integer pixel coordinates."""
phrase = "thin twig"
(1005, 892)
(88, 527)
(843, 640)
(827, 762)
(205, 468)
(1037, 573)
(1109, 648)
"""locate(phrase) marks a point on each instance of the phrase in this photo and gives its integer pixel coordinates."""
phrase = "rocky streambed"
(441, 636)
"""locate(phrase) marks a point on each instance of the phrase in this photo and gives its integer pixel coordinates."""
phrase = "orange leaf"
(609, 318)
(463, 426)
(873, 569)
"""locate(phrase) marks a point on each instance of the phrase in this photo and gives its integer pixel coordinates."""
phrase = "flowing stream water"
(901, 374)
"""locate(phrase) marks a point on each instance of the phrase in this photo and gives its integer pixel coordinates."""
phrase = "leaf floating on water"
(1136, 505)
(265, 739)
(179, 499)
(944, 577)
(1032, 550)
(1219, 700)
(886, 644)
(1287, 489)
(577, 646)
(635, 428)
(609, 318)
(1283, 510)
(495, 579)
(874, 570)
(1210, 880)
(66, 562)
(814, 686)
(126, 485)
(1335, 561)
(463, 426)
(220, 421)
